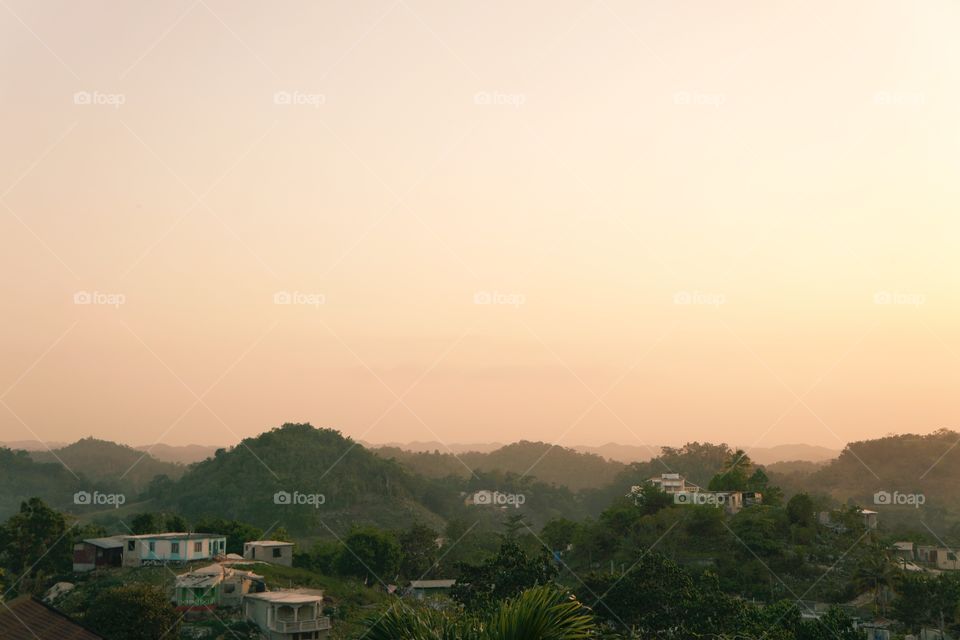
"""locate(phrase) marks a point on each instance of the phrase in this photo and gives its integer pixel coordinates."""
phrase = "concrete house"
(213, 586)
(288, 615)
(158, 548)
(938, 557)
(271, 551)
(98, 553)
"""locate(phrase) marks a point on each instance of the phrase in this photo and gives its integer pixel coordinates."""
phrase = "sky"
(578, 222)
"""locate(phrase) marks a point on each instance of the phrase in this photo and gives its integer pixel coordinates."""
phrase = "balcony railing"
(296, 626)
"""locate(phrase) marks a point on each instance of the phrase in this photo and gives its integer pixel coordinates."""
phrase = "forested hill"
(547, 463)
(906, 463)
(112, 466)
(241, 483)
(22, 478)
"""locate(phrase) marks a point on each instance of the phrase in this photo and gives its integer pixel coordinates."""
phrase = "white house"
(153, 548)
(272, 551)
(288, 615)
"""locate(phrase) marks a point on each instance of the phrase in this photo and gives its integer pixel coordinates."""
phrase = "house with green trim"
(213, 586)
(161, 548)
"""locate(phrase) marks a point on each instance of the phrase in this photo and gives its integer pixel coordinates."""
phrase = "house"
(938, 557)
(421, 589)
(271, 551)
(157, 548)
(673, 483)
(287, 615)
(216, 585)
(869, 518)
(29, 618)
(98, 553)
(903, 551)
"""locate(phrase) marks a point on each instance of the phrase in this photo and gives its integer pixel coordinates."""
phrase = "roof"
(268, 543)
(27, 618)
(112, 542)
(176, 536)
(903, 546)
(432, 584)
(294, 596)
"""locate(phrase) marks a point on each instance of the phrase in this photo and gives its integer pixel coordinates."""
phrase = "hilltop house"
(288, 615)
(271, 551)
(216, 585)
(155, 548)
(98, 553)
(673, 483)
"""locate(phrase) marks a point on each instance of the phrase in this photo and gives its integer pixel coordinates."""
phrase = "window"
(197, 547)
(175, 548)
(276, 552)
(131, 545)
(153, 546)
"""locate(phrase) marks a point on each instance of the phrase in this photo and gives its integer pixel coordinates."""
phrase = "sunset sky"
(578, 222)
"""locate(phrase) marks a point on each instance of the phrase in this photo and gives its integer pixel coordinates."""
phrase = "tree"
(174, 522)
(734, 475)
(419, 545)
(539, 613)
(481, 587)
(370, 554)
(34, 544)
(236, 532)
(800, 510)
(147, 523)
(133, 612)
(559, 533)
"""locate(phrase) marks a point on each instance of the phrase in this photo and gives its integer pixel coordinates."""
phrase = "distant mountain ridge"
(626, 453)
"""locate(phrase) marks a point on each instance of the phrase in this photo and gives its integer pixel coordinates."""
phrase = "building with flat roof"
(272, 551)
(288, 615)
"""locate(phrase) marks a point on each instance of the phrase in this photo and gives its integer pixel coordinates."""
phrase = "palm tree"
(539, 613)
(876, 570)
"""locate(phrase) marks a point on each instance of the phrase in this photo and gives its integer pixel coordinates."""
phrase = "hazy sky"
(641, 222)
